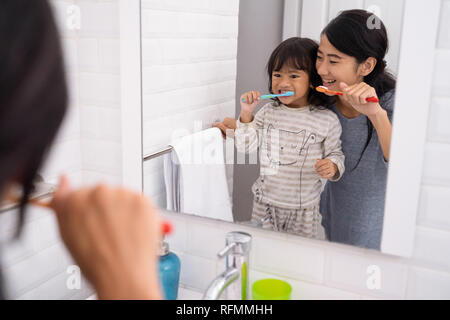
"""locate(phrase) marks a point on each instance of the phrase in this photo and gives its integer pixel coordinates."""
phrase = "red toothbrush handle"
(167, 227)
(372, 99)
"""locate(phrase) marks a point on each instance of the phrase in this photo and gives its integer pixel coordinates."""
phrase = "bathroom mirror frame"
(410, 117)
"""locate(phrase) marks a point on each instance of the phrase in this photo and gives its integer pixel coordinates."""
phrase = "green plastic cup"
(271, 289)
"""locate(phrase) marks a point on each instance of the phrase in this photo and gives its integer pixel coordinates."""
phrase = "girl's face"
(334, 66)
(290, 79)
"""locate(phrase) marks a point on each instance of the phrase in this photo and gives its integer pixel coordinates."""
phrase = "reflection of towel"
(194, 173)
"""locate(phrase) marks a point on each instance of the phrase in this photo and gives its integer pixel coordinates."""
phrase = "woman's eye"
(319, 58)
(333, 62)
(276, 75)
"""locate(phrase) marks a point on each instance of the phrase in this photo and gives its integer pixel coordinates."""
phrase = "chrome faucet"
(235, 277)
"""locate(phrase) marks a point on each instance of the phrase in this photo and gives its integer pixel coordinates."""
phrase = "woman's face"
(334, 66)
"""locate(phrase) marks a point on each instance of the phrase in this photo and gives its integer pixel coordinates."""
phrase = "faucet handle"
(225, 251)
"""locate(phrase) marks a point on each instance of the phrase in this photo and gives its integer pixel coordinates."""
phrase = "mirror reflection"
(246, 122)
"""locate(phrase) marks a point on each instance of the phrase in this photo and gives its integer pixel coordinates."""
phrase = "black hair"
(33, 92)
(361, 34)
(299, 53)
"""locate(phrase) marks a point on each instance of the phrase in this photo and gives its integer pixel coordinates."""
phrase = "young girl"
(298, 138)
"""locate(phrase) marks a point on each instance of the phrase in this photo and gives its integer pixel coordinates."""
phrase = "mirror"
(196, 66)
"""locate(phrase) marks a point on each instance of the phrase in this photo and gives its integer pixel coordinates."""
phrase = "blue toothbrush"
(270, 96)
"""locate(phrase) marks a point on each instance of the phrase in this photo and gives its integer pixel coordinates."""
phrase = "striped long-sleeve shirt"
(290, 140)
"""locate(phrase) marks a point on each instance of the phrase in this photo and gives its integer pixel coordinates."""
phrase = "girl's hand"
(251, 99)
(113, 235)
(326, 168)
(356, 96)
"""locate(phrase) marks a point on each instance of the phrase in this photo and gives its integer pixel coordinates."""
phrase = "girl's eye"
(294, 76)
(333, 62)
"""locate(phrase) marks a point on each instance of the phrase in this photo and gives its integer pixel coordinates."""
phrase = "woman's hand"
(326, 168)
(251, 99)
(226, 124)
(113, 235)
(356, 96)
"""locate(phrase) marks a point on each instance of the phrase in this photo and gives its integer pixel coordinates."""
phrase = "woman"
(112, 234)
(351, 59)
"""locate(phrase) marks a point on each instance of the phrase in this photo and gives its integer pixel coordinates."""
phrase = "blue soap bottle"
(169, 272)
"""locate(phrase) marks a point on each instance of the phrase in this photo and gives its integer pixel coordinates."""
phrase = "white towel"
(194, 173)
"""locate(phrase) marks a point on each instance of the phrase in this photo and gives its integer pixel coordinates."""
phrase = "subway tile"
(88, 54)
(359, 274)
(438, 128)
(99, 19)
(101, 156)
(99, 89)
(37, 235)
(100, 123)
(92, 178)
(434, 207)
(441, 81)
(428, 284)
(230, 7)
(205, 239)
(177, 5)
(429, 246)
(72, 79)
(35, 270)
(109, 52)
(172, 77)
(162, 24)
(56, 289)
(152, 52)
(69, 47)
(70, 127)
(288, 259)
(196, 272)
(444, 26)
(64, 156)
(62, 15)
(154, 183)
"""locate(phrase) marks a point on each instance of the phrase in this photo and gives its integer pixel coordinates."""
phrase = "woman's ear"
(367, 66)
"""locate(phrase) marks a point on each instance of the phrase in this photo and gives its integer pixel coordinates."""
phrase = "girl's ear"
(367, 66)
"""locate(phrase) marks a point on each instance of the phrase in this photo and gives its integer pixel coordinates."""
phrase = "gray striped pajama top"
(290, 140)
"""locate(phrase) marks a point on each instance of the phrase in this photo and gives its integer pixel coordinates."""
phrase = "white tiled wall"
(321, 270)
(189, 53)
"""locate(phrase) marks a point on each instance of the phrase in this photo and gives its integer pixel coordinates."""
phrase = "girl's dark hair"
(299, 53)
(33, 92)
(361, 34)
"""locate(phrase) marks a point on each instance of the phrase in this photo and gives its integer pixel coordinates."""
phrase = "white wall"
(88, 149)
(321, 270)
(189, 53)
